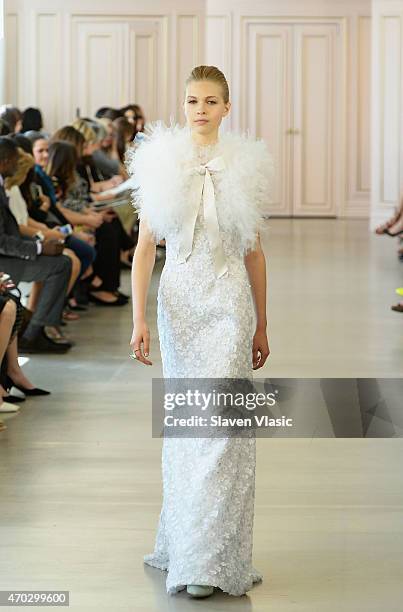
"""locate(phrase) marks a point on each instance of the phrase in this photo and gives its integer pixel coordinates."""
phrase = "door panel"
(314, 120)
(293, 101)
(268, 113)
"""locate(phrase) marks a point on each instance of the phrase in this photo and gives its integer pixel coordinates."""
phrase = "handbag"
(22, 317)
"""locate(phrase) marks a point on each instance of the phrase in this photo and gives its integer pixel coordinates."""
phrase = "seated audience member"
(31, 120)
(12, 377)
(18, 188)
(43, 209)
(393, 227)
(38, 191)
(134, 114)
(93, 133)
(29, 260)
(8, 310)
(4, 128)
(106, 112)
(103, 161)
(88, 173)
(124, 134)
(76, 205)
(12, 116)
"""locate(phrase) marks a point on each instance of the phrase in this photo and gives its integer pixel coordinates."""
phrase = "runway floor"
(80, 483)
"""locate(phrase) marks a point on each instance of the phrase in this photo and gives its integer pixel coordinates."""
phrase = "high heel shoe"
(197, 590)
(30, 392)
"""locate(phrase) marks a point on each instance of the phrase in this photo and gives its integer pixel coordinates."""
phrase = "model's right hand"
(140, 342)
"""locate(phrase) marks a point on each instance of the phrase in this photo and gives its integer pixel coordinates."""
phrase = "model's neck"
(205, 139)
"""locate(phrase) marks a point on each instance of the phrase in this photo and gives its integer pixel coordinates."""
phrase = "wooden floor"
(80, 487)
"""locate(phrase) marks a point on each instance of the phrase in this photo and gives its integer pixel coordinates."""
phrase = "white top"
(17, 205)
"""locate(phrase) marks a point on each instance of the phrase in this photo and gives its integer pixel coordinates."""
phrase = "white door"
(118, 61)
(294, 86)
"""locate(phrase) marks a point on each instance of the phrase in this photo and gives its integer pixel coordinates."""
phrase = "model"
(206, 194)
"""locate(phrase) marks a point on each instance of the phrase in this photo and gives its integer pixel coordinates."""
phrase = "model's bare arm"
(255, 264)
(142, 267)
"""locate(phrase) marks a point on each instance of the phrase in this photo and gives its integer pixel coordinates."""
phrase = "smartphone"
(67, 229)
(36, 191)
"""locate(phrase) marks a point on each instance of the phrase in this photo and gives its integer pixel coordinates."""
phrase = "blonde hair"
(210, 73)
(86, 130)
(24, 165)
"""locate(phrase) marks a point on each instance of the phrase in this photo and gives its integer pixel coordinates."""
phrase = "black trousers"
(111, 239)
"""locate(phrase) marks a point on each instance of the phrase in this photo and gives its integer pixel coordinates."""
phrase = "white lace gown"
(206, 324)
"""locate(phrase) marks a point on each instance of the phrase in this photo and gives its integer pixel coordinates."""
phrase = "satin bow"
(203, 189)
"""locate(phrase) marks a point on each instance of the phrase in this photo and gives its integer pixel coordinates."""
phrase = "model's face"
(40, 151)
(204, 106)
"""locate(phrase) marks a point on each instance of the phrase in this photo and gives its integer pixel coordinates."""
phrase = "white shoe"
(16, 393)
(196, 590)
(7, 407)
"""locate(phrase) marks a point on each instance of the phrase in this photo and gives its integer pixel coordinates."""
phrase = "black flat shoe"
(78, 307)
(122, 295)
(102, 288)
(28, 392)
(42, 344)
(118, 302)
(13, 399)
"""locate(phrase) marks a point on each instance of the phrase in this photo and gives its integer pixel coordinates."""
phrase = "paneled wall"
(81, 54)
(387, 98)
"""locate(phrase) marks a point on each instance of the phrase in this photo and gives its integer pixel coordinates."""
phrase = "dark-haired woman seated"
(38, 192)
(75, 202)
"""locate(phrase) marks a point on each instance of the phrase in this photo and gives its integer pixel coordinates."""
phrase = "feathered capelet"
(163, 170)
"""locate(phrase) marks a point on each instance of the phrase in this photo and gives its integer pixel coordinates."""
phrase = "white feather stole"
(161, 168)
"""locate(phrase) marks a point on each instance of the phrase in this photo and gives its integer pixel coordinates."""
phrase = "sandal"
(68, 315)
(383, 229)
(388, 233)
(74, 305)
